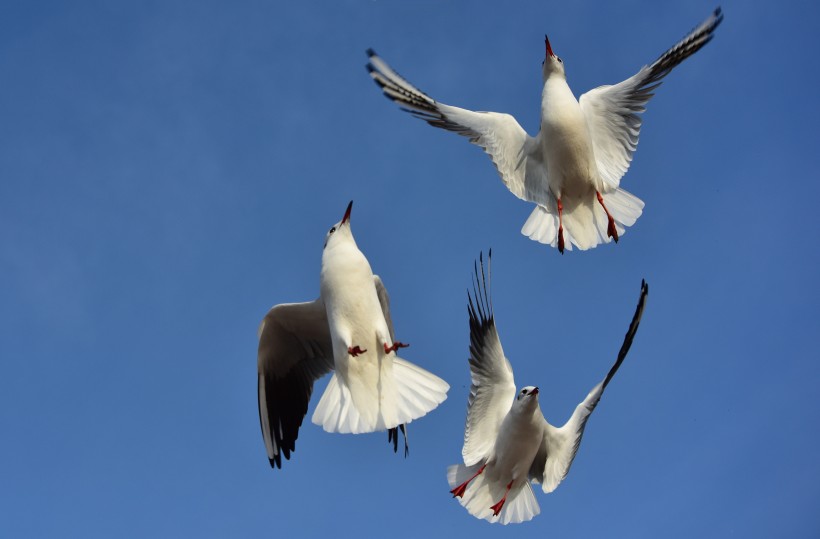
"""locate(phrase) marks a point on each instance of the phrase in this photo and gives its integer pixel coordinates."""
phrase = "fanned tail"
(417, 390)
(481, 494)
(585, 223)
(336, 411)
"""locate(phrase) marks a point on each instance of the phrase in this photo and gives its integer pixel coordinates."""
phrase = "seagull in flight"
(507, 442)
(572, 168)
(348, 330)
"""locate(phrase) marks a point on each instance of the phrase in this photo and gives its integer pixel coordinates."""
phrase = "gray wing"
(560, 445)
(294, 351)
(512, 151)
(384, 301)
(492, 387)
(612, 112)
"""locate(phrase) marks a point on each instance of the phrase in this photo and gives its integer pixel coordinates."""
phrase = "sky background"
(168, 171)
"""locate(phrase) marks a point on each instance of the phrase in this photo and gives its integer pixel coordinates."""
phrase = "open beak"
(534, 392)
(549, 49)
(347, 212)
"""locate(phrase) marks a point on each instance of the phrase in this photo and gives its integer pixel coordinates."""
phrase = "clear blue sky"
(168, 171)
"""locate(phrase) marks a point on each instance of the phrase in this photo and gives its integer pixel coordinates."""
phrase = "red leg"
(611, 230)
(560, 227)
(355, 350)
(459, 490)
(497, 507)
(395, 347)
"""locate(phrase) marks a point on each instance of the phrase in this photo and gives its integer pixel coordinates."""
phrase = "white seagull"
(572, 168)
(507, 441)
(347, 329)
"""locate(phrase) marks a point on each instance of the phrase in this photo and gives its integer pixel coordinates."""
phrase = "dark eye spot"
(559, 60)
(524, 391)
(332, 230)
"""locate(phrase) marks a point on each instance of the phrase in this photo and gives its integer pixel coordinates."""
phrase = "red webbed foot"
(497, 507)
(459, 491)
(355, 350)
(395, 347)
(611, 229)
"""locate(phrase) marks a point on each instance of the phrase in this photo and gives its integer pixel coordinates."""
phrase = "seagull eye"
(524, 391)
(332, 230)
(559, 60)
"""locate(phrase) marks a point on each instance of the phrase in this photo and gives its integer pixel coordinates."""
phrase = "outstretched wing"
(492, 387)
(560, 445)
(612, 111)
(294, 350)
(500, 135)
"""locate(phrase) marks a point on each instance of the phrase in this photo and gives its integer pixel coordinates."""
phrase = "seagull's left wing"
(513, 151)
(560, 445)
(294, 351)
(493, 388)
(612, 111)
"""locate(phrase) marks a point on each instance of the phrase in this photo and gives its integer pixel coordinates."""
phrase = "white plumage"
(348, 329)
(507, 442)
(573, 167)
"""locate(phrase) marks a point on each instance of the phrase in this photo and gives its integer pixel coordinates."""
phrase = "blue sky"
(168, 171)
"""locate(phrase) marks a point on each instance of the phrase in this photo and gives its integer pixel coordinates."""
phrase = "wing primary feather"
(630, 333)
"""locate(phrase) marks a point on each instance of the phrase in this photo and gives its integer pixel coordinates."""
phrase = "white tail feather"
(585, 223)
(481, 495)
(416, 392)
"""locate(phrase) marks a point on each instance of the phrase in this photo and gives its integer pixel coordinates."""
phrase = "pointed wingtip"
(371, 53)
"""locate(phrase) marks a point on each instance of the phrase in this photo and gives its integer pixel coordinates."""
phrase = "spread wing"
(492, 387)
(612, 111)
(560, 445)
(294, 350)
(513, 152)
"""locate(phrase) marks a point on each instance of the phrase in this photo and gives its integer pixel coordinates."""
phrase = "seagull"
(507, 441)
(573, 167)
(348, 330)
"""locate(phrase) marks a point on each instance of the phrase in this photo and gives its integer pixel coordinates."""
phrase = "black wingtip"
(630, 333)
(371, 53)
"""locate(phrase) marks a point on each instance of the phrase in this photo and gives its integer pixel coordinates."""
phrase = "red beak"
(534, 391)
(347, 212)
(549, 49)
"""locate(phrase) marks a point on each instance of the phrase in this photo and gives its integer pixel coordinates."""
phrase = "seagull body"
(508, 446)
(572, 168)
(348, 329)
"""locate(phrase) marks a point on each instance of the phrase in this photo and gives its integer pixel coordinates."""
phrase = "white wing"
(560, 445)
(513, 152)
(493, 388)
(612, 111)
(294, 350)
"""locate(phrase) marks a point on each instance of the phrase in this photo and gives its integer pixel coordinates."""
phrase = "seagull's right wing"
(612, 112)
(493, 388)
(294, 350)
(560, 445)
(513, 151)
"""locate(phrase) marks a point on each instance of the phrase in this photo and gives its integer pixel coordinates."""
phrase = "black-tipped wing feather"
(560, 445)
(294, 351)
(498, 134)
(492, 387)
(612, 112)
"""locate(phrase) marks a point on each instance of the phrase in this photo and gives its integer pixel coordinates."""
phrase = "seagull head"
(340, 230)
(528, 394)
(552, 63)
